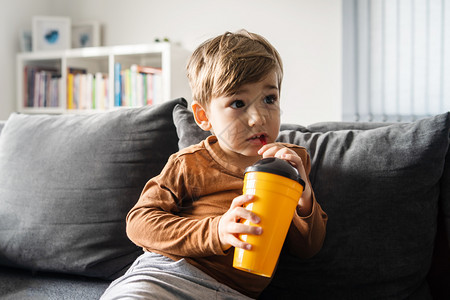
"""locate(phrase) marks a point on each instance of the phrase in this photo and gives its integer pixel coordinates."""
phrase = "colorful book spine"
(94, 92)
(117, 84)
(149, 89)
(70, 91)
(127, 92)
(37, 81)
(86, 91)
(89, 87)
(133, 86)
(106, 92)
(99, 104)
(148, 70)
(26, 83)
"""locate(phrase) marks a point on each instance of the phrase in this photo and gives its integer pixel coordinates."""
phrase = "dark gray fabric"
(20, 284)
(293, 127)
(380, 189)
(445, 200)
(336, 126)
(439, 275)
(67, 183)
(188, 131)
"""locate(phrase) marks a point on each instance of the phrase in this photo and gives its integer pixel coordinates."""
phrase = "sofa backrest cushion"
(381, 186)
(68, 181)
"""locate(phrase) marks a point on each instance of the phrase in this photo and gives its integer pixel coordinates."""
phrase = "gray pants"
(153, 276)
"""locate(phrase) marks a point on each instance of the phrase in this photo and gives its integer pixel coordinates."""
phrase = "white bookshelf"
(169, 57)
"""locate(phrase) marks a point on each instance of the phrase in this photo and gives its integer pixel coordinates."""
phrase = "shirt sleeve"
(306, 235)
(154, 223)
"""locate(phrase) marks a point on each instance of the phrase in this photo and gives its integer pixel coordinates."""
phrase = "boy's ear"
(200, 116)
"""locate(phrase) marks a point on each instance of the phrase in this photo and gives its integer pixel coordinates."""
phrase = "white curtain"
(396, 59)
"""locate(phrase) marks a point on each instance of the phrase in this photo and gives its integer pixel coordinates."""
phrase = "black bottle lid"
(276, 166)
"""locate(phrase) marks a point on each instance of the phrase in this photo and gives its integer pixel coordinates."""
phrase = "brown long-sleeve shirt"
(179, 210)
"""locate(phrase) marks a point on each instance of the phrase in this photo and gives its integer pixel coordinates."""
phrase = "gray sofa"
(67, 182)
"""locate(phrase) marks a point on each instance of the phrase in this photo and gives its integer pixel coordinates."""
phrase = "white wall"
(307, 33)
(14, 15)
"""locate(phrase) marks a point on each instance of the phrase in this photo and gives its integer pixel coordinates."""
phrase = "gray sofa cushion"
(380, 186)
(439, 276)
(67, 183)
(18, 284)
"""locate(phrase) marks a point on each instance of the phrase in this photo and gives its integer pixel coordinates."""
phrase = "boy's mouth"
(261, 137)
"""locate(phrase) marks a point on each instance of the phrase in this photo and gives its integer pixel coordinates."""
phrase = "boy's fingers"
(241, 200)
(243, 213)
(269, 151)
(292, 159)
(237, 243)
(239, 228)
(264, 148)
(242, 229)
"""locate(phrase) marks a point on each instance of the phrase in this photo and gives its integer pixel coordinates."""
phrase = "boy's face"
(246, 120)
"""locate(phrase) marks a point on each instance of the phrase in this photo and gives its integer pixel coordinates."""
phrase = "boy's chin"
(249, 152)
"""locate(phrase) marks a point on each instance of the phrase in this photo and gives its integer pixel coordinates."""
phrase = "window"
(396, 61)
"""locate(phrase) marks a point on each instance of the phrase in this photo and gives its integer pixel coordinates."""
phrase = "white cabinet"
(45, 83)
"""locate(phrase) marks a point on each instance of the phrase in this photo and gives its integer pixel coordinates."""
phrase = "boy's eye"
(237, 104)
(269, 99)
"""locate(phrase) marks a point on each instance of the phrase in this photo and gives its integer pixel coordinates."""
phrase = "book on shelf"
(86, 90)
(152, 81)
(89, 90)
(117, 84)
(41, 86)
(133, 87)
(138, 86)
(73, 86)
(101, 91)
(74, 70)
(147, 69)
(70, 91)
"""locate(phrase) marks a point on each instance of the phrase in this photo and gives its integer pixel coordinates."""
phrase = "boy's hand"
(279, 151)
(230, 227)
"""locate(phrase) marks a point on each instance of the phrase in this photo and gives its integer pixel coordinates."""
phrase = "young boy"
(188, 218)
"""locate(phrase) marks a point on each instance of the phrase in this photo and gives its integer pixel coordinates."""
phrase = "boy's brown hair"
(219, 66)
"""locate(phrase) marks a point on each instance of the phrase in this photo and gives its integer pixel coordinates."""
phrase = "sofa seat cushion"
(68, 181)
(25, 285)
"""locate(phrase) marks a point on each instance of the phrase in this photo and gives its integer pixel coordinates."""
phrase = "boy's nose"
(255, 118)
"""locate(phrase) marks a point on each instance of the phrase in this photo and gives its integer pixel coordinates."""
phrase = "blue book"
(117, 85)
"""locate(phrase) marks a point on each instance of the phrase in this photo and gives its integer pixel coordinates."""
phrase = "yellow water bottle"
(277, 187)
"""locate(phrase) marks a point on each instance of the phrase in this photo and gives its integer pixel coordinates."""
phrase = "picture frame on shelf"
(50, 33)
(25, 38)
(86, 34)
